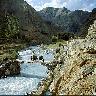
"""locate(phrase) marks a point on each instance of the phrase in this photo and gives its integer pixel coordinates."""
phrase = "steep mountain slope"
(19, 16)
(88, 22)
(68, 21)
(75, 73)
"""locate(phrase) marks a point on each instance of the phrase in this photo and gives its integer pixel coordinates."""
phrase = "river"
(30, 75)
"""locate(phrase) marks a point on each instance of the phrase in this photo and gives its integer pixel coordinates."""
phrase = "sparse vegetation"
(10, 50)
(66, 36)
(9, 27)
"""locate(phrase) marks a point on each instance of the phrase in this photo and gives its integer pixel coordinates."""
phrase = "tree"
(9, 27)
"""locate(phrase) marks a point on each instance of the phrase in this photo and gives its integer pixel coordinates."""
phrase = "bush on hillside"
(54, 39)
(9, 27)
(65, 36)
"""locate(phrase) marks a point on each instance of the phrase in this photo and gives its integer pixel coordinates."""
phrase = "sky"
(86, 5)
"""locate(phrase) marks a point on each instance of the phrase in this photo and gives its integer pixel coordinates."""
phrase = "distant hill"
(66, 20)
(20, 21)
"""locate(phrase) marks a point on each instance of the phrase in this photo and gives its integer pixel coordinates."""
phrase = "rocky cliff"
(9, 68)
(76, 74)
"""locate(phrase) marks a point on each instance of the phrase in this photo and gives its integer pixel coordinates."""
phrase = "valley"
(47, 52)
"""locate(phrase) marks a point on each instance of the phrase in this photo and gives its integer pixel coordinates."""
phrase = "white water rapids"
(31, 73)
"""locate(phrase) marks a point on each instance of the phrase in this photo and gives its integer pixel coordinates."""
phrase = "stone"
(7, 72)
(40, 57)
(9, 68)
(34, 57)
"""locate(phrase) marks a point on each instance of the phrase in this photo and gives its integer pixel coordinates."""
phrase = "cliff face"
(17, 13)
(66, 20)
(76, 75)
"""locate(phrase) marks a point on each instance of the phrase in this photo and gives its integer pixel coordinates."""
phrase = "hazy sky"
(70, 4)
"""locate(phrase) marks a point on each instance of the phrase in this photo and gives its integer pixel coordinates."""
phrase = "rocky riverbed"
(30, 72)
(75, 68)
(76, 75)
(72, 71)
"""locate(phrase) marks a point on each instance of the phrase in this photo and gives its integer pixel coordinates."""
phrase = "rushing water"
(31, 73)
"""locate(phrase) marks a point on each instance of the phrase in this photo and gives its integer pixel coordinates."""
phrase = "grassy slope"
(10, 50)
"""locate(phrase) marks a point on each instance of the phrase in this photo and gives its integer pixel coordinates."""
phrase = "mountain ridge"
(69, 21)
(21, 21)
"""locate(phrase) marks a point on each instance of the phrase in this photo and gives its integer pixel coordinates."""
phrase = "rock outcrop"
(77, 74)
(9, 68)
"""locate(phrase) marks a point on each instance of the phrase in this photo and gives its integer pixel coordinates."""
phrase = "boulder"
(9, 68)
(40, 57)
(34, 57)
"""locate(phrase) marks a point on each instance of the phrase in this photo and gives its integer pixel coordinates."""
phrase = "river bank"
(43, 88)
(30, 72)
(10, 50)
(8, 54)
(75, 73)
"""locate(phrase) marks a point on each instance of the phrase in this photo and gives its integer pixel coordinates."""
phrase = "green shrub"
(9, 27)
(14, 55)
(54, 39)
(65, 36)
(58, 50)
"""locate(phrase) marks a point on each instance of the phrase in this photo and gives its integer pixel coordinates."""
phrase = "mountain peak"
(68, 21)
(52, 8)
